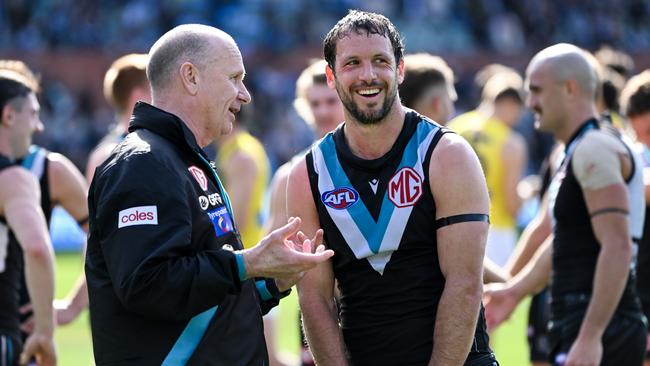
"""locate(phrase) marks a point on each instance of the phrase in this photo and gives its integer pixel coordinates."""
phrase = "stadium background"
(71, 43)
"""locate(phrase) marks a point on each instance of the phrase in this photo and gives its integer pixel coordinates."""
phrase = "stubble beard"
(370, 117)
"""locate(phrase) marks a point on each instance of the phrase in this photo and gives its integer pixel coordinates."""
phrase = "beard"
(371, 116)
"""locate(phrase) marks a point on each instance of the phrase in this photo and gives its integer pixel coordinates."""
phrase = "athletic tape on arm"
(596, 162)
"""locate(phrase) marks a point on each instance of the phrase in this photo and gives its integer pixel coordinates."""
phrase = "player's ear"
(329, 73)
(400, 70)
(7, 115)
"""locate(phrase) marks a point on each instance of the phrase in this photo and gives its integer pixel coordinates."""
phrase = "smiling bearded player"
(404, 205)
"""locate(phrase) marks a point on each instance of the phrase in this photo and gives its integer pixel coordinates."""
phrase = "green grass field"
(75, 347)
(73, 340)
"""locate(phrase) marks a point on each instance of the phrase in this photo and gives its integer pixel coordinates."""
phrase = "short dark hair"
(509, 93)
(16, 80)
(422, 72)
(635, 98)
(362, 22)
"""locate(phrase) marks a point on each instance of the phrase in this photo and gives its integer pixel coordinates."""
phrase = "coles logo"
(199, 176)
(405, 187)
(141, 215)
(340, 198)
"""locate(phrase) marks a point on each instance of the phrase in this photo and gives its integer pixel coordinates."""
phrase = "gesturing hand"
(286, 253)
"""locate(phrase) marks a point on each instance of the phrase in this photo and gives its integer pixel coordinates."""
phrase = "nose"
(530, 101)
(368, 73)
(244, 96)
(38, 125)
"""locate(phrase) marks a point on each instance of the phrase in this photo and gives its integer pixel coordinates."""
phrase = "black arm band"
(456, 219)
(603, 211)
(83, 221)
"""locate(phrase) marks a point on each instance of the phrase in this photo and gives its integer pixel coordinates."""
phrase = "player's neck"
(373, 141)
(5, 146)
(575, 121)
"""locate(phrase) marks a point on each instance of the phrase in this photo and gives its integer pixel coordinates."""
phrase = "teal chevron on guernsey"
(35, 160)
(189, 339)
(370, 239)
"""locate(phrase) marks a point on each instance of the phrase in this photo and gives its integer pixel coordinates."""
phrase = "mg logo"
(405, 187)
(340, 198)
(199, 176)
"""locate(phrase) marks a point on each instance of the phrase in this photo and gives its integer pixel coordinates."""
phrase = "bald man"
(595, 211)
(168, 279)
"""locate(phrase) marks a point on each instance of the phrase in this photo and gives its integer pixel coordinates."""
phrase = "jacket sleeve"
(269, 294)
(144, 227)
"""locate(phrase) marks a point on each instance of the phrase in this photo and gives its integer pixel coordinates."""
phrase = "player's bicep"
(598, 167)
(299, 199)
(69, 187)
(608, 208)
(596, 161)
(318, 282)
(462, 206)
(23, 212)
(278, 200)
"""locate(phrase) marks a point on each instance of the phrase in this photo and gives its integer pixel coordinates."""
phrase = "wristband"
(241, 265)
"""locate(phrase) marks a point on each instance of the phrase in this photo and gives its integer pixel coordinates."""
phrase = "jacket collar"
(148, 117)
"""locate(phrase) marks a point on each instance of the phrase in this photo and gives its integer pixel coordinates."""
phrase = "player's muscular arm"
(538, 230)
(458, 187)
(278, 201)
(20, 201)
(502, 298)
(68, 187)
(600, 164)
(316, 289)
(70, 190)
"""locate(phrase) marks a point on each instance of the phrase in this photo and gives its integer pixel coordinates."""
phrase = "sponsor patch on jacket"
(221, 221)
(204, 202)
(199, 176)
(141, 215)
(340, 198)
(213, 199)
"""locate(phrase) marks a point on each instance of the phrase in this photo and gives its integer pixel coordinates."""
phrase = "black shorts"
(10, 349)
(538, 317)
(481, 359)
(624, 341)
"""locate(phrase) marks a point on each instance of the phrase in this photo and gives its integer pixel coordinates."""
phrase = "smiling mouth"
(369, 93)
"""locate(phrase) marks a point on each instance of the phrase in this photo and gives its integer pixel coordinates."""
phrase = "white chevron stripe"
(348, 227)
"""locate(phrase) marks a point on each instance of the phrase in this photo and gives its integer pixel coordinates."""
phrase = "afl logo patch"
(405, 187)
(340, 198)
(199, 176)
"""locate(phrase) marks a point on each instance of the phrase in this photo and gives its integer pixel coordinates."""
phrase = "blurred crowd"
(281, 25)
(270, 30)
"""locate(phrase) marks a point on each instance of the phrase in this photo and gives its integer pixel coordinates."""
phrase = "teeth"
(368, 91)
